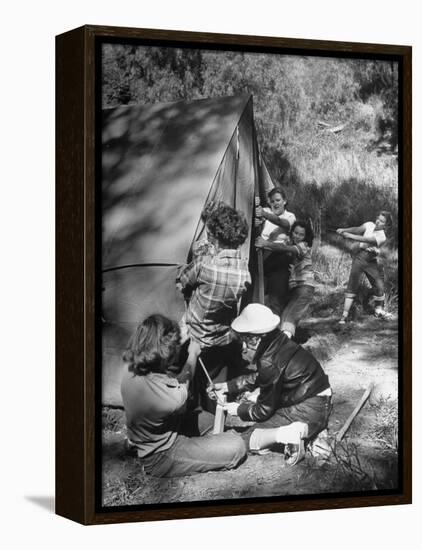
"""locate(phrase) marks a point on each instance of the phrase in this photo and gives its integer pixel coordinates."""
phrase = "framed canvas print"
(233, 274)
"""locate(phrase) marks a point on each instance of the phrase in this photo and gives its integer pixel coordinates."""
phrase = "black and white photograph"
(250, 282)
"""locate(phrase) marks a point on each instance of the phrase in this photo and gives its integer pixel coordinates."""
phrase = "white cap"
(256, 319)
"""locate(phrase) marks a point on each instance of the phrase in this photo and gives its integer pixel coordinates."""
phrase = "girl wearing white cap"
(294, 402)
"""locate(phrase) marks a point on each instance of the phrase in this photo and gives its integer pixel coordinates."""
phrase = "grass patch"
(351, 468)
(331, 265)
(343, 471)
(113, 419)
(385, 429)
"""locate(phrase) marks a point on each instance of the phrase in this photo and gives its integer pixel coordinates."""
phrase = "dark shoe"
(294, 453)
(294, 442)
(382, 314)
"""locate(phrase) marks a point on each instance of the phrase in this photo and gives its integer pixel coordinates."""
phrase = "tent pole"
(236, 165)
(260, 262)
(260, 276)
(259, 252)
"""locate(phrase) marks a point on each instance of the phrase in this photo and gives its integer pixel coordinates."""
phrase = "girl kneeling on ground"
(294, 401)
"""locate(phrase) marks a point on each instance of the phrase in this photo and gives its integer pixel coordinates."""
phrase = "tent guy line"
(162, 264)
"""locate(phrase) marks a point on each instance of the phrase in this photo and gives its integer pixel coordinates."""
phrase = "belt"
(132, 448)
(325, 393)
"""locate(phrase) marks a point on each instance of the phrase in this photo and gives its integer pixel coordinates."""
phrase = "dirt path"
(353, 357)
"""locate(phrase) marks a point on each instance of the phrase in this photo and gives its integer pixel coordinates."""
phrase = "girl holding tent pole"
(213, 285)
(276, 227)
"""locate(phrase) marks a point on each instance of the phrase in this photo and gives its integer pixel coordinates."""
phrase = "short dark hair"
(154, 346)
(227, 225)
(309, 233)
(276, 190)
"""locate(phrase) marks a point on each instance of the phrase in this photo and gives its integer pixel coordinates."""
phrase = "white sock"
(292, 433)
(254, 441)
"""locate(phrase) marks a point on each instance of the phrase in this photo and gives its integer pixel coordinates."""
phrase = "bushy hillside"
(327, 126)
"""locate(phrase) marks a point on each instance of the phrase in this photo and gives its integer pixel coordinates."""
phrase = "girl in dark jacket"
(294, 402)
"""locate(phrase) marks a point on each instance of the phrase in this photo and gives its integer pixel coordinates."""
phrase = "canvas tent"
(161, 163)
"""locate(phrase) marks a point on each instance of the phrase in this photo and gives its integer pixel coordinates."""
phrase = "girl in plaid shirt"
(214, 285)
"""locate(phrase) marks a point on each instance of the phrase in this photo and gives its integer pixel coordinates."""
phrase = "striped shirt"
(214, 285)
(301, 270)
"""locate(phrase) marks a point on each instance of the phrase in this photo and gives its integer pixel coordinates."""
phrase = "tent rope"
(157, 264)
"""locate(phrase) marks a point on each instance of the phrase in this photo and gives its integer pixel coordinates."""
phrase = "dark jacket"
(286, 373)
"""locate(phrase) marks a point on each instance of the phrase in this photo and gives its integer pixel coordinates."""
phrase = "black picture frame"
(78, 418)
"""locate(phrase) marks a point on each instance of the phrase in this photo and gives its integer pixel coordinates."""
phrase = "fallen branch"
(336, 129)
(355, 412)
(325, 127)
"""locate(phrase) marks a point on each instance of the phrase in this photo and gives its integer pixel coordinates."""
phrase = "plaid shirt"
(214, 285)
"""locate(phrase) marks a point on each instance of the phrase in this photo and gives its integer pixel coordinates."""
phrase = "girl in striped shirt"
(301, 280)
